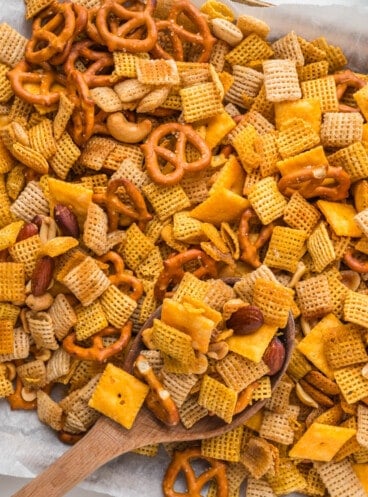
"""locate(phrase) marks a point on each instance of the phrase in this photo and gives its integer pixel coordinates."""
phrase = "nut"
(304, 397)
(218, 350)
(351, 279)
(28, 395)
(66, 220)
(26, 231)
(274, 356)
(246, 320)
(42, 275)
(321, 398)
(40, 303)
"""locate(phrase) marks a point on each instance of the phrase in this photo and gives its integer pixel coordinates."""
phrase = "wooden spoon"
(107, 439)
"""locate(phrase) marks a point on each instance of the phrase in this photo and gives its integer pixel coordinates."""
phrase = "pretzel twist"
(21, 75)
(121, 277)
(180, 464)
(53, 27)
(311, 182)
(97, 351)
(343, 80)
(201, 35)
(174, 271)
(114, 205)
(354, 263)
(158, 400)
(121, 36)
(250, 248)
(154, 151)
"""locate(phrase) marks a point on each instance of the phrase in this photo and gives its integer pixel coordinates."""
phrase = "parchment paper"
(26, 446)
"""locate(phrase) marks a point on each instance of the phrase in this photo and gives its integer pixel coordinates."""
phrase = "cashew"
(304, 397)
(218, 350)
(351, 279)
(40, 303)
(48, 229)
(125, 131)
(43, 354)
(28, 395)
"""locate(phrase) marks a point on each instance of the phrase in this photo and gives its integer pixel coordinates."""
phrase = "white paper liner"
(27, 447)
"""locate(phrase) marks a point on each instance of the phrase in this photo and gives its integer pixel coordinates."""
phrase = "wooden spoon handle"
(105, 441)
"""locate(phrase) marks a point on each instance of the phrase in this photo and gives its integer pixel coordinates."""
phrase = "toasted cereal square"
(362, 431)
(246, 81)
(226, 447)
(344, 346)
(106, 99)
(66, 155)
(6, 91)
(172, 342)
(321, 248)
(96, 151)
(297, 136)
(26, 252)
(191, 412)
(288, 47)
(157, 72)
(31, 201)
(286, 248)
(118, 395)
(259, 456)
(245, 142)
(277, 426)
(281, 80)
(6, 336)
(314, 70)
(217, 398)
(352, 383)
(356, 308)
(12, 45)
(48, 411)
(314, 297)
(300, 214)
(274, 300)
(86, 280)
(253, 47)
(340, 479)
(12, 282)
(324, 89)
(125, 63)
(136, 248)
(41, 138)
(200, 101)
(267, 200)
(166, 200)
(341, 129)
(353, 159)
(117, 306)
(90, 320)
(258, 488)
(238, 372)
(34, 7)
(64, 113)
(334, 55)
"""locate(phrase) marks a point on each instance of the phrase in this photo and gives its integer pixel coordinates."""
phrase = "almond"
(27, 230)
(66, 220)
(246, 320)
(274, 356)
(42, 275)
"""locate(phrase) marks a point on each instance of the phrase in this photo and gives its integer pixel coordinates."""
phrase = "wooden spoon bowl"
(107, 439)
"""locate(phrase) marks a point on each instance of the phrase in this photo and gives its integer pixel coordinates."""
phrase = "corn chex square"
(286, 248)
(172, 342)
(217, 398)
